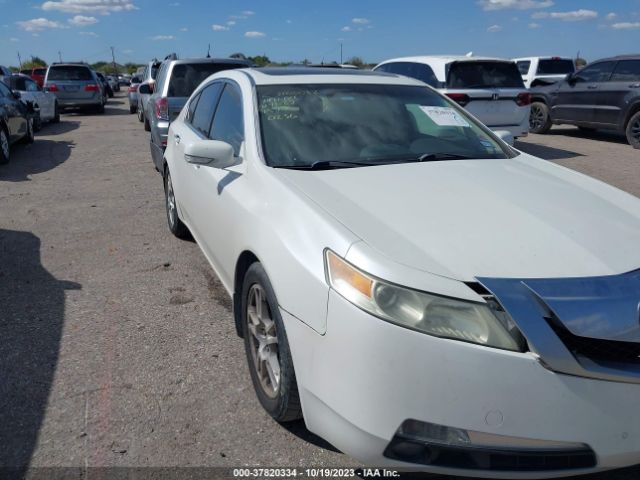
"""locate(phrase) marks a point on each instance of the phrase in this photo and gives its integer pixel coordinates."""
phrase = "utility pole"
(60, 56)
(113, 57)
(340, 53)
(20, 60)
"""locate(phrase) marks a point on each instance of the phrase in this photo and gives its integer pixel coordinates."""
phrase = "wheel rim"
(263, 341)
(635, 130)
(30, 128)
(171, 203)
(536, 118)
(4, 141)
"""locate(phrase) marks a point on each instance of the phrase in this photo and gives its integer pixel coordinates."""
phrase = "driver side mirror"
(145, 89)
(212, 153)
(572, 79)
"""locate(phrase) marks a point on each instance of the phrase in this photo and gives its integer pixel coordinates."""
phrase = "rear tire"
(29, 137)
(100, 108)
(176, 226)
(37, 124)
(132, 109)
(5, 148)
(140, 114)
(147, 127)
(267, 348)
(633, 130)
(539, 119)
(56, 113)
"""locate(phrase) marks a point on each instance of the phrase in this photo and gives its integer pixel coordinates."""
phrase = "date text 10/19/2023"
(284, 473)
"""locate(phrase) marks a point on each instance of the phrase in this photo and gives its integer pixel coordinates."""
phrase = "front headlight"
(424, 312)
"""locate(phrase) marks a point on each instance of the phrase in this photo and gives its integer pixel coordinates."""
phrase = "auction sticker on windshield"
(444, 116)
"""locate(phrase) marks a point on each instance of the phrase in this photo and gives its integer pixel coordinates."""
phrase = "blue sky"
(292, 30)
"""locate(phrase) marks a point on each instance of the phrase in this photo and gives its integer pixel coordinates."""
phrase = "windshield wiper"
(435, 157)
(328, 165)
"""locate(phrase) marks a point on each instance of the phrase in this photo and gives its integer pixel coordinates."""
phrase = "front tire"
(30, 136)
(539, 119)
(147, 127)
(633, 130)
(140, 114)
(5, 148)
(176, 226)
(267, 348)
(132, 109)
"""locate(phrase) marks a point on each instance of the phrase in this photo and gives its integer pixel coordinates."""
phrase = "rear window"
(70, 72)
(154, 71)
(26, 72)
(555, 67)
(186, 77)
(523, 66)
(483, 74)
(40, 71)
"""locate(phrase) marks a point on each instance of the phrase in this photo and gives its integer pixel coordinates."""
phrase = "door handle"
(177, 139)
(592, 87)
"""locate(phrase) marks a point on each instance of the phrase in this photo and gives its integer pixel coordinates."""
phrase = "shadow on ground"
(65, 126)
(41, 156)
(31, 321)
(545, 152)
(600, 135)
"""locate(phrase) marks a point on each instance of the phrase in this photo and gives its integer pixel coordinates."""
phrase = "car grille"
(597, 350)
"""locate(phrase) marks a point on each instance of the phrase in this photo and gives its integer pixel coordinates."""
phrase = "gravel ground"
(117, 345)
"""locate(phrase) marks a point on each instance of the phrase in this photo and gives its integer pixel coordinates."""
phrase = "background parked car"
(16, 121)
(148, 76)
(176, 81)
(106, 87)
(113, 83)
(75, 85)
(133, 94)
(489, 88)
(544, 70)
(44, 103)
(4, 72)
(36, 74)
(605, 94)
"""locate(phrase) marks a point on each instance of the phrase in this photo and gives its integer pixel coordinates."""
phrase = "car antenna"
(209, 51)
(469, 54)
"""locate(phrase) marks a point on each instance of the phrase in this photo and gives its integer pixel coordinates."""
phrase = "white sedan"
(45, 103)
(424, 295)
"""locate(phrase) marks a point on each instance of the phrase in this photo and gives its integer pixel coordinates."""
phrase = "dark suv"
(605, 94)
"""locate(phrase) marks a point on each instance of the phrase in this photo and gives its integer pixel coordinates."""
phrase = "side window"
(419, 71)
(192, 107)
(627, 71)
(524, 66)
(4, 90)
(160, 77)
(598, 72)
(203, 112)
(228, 123)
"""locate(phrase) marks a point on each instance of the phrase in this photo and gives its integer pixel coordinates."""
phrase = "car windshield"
(69, 72)
(185, 77)
(366, 124)
(484, 74)
(556, 66)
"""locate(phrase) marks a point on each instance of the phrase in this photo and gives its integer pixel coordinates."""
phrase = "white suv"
(544, 70)
(489, 88)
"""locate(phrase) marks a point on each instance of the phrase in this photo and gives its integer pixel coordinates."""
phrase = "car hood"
(513, 218)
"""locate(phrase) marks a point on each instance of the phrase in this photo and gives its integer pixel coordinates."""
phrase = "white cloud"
(231, 23)
(534, 25)
(127, 51)
(611, 16)
(254, 35)
(289, 21)
(174, 4)
(345, 29)
(81, 21)
(514, 4)
(626, 26)
(163, 37)
(14, 40)
(248, 12)
(219, 28)
(37, 24)
(494, 28)
(184, 29)
(573, 16)
(238, 17)
(361, 21)
(103, 7)
(89, 34)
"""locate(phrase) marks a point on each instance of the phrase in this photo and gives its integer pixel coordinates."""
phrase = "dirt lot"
(117, 346)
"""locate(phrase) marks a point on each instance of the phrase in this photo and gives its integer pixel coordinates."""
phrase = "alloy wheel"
(172, 212)
(4, 143)
(263, 341)
(635, 129)
(536, 118)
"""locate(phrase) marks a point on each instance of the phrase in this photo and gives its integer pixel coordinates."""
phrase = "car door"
(41, 98)
(16, 123)
(576, 97)
(216, 193)
(614, 94)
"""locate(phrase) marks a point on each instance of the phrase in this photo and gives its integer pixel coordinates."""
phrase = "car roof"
(307, 75)
(209, 60)
(618, 57)
(545, 57)
(438, 63)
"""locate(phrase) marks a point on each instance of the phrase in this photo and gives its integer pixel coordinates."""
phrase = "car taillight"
(52, 87)
(133, 88)
(523, 99)
(162, 108)
(91, 88)
(460, 98)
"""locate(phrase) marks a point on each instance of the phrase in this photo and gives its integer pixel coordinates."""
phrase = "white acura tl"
(424, 295)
